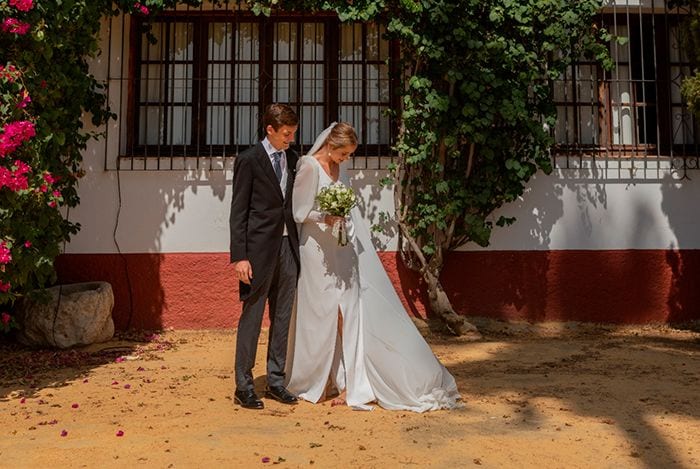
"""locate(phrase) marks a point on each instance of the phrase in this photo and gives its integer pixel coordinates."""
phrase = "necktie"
(276, 165)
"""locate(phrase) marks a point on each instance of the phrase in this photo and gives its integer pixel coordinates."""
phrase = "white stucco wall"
(172, 210)
(187, 211)
(568, 210)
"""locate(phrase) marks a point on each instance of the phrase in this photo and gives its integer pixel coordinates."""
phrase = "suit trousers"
(278, 291)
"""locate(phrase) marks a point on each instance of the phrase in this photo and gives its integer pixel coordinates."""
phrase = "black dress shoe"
(248, 400)
(279, 393)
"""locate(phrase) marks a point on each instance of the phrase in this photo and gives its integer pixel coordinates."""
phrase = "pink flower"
(57, 194)
(5, 254)
(27, 244)
(143, 9)
(6, 318)
(48, 178)
(22, 5)
(14, 134)
(4, 288)
(15, 180)
(15, 26)
(22, 167)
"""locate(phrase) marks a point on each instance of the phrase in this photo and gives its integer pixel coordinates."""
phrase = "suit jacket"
(259, 214)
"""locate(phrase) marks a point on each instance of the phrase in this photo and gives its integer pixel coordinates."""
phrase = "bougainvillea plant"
(46, 92)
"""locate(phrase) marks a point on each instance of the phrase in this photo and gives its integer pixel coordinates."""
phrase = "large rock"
(76, 314)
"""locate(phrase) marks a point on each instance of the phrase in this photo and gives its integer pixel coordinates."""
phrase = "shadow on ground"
(629, 378)
(26, 371)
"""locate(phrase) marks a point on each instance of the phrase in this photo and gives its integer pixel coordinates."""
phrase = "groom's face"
(282, 137)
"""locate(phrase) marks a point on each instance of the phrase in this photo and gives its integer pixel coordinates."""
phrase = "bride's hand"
(331, 220)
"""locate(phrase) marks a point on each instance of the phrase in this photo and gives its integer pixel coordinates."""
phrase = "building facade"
(612, 235)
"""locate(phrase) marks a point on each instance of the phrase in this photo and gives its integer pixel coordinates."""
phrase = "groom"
(265, 252)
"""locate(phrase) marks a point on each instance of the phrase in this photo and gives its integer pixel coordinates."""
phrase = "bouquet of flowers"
(337, 200)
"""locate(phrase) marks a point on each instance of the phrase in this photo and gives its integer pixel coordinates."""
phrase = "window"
(201, 86)
(636, 109)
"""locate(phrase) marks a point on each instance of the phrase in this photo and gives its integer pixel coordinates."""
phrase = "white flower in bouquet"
(337, 200)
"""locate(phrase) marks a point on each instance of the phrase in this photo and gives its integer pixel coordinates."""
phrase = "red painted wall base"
(198, 291)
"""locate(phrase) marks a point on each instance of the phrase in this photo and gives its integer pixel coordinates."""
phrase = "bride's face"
(343, 153)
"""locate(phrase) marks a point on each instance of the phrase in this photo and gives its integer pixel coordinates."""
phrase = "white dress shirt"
(283, 165)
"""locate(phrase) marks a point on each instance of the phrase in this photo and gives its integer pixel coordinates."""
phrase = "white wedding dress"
(381, 356)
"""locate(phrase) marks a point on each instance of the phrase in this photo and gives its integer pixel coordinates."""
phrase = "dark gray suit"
(259, 214)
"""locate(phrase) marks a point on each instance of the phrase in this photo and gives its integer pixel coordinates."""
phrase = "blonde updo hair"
(341, 135)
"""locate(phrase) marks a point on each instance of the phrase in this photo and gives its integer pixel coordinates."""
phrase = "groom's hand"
(244, 272)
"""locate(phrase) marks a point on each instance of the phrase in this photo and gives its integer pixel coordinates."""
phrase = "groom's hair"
(278, 115)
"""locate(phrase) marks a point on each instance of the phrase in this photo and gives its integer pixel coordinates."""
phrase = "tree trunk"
(441, 307)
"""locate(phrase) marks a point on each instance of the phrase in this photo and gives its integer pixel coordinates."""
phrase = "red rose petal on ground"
(75, 406)
(64, 432)
(265, 459)
(120, 433)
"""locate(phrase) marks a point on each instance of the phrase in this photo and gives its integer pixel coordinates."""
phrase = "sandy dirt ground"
(555, 395)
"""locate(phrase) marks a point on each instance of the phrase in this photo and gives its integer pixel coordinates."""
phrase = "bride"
(350, 331)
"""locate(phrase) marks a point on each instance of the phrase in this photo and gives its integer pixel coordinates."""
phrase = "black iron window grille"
(634, 112)
(199, 86)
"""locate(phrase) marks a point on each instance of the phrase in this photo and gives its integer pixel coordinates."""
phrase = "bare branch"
(470, 159)
(450, 232)
(414, 246)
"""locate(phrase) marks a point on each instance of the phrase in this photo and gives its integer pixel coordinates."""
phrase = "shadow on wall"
(596, 285)
(684, 263)
(509, 284)
(368, 186)
(153, 290)
(530, 282)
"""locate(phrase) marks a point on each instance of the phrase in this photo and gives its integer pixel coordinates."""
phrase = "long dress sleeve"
(305, 190)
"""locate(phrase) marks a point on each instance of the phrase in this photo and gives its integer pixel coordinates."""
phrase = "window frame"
(664, 146)
(200, 61)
